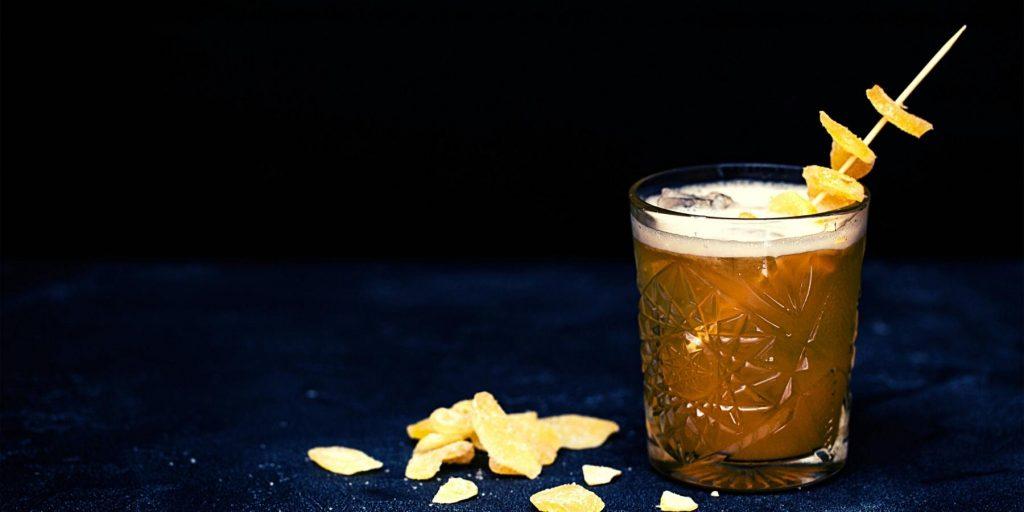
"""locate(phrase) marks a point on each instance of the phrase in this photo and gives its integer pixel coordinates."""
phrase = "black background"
(300, 129)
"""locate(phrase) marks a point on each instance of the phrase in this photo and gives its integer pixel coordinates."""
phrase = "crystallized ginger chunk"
(791, 204)
(578, 432)
(423, 466)
(567, 498)
(449, 421)
(845, 138)
(544, 439)
(455, 490)
(503, 438)
(463, 406)
(436, 440)
(498, 469)
(896, 114)
(672, 502)
(838, 157)
(599, 475)
(838, 187)
(420, 429)
(480, 447)
(476, 442)
(341, 460)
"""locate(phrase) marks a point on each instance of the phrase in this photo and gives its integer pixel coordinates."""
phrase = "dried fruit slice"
(896, 114)
(524, 415)
(479, 446)
(672, 502)
(455, 490)
(420, 429)
(599, 475)
(845, 138)
(838, 157)
(578, 432)
(791, 204)
(423, 466)
(451, 421)
(435, 440)
(445, 421)
(498, 469)
(462, 455)
(341, 460)
(501, 438)
(542, 437)
(476, 442)
(838, 187)
(463, 406)
(567, 498)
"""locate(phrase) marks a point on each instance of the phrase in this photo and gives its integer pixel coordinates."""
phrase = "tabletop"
(200, 386)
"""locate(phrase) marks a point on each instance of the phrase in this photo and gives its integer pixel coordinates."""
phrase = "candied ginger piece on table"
(451, 421)
(845, 138)
(599, 475)
(420, 429)
(524, 414)
(567, 498)
(436, 440)
(502, 439)
(341, 460)
(476, 442)
(791, 204)
(842, 189)
(541, 436)
(455, 490)
(672, 502)
(895, 113)
(464, 454)
(498, 469)
(578, 432)
(463, 406)
(423, 466)
(837, 159)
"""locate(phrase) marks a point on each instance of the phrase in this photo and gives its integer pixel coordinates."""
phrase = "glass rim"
(639, 203)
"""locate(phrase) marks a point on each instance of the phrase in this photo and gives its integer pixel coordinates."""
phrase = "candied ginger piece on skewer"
(838, 156)
(850, 162)
(791, 204)
(896, 114)
(846, 139)
(839, 188)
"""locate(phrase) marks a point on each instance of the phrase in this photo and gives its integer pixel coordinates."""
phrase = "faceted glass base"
(719, 473)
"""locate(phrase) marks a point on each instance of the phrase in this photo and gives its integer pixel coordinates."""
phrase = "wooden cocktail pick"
(899, 100)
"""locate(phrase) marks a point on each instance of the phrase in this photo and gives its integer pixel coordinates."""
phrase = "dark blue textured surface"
(200, 387)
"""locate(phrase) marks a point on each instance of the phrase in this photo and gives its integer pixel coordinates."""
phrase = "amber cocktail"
(748, 321)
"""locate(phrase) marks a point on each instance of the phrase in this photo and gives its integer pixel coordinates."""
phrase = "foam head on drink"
(748, 328)
(708, 229)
